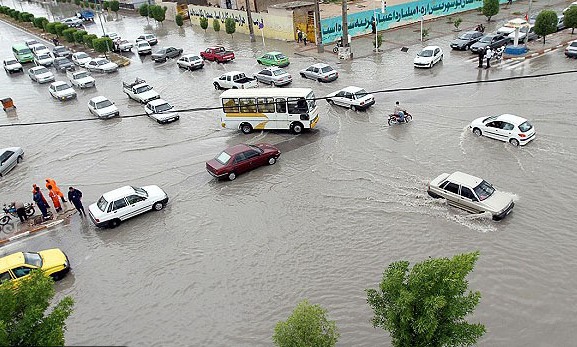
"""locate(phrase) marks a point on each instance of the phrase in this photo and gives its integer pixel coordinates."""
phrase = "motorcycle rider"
(399, 112)
(20, 210)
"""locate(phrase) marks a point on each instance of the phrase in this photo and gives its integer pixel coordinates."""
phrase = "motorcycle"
(499, 53)
(10, 211)
(394, 119)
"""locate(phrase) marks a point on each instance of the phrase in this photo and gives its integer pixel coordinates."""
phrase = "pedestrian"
(299, 35)
(20, 210)
(75, 196)
(374, 26)
(40, 202)
(34, 186)
(55, 41)
(51, 182)
(488, 56)
(481, 53)
(305, 39)
(55, 198)
(509, 3)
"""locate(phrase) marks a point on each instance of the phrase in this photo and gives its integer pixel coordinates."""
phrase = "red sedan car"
(241, 158)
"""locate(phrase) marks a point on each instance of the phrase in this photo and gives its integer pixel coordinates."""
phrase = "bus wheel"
(246, 128)
(297, 128)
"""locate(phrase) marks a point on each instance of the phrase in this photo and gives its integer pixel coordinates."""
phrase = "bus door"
(298, 111)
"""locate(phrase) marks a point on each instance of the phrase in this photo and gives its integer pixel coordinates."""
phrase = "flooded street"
(225, 261)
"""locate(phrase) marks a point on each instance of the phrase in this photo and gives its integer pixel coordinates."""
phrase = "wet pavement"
(226, 260)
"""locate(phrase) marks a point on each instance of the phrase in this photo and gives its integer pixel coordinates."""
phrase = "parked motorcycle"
(499, 53)
(394, 119)
(10, 211)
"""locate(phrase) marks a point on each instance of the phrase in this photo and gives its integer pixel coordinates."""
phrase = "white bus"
(269, 108)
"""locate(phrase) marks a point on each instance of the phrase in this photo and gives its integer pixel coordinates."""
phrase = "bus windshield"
(311, 101)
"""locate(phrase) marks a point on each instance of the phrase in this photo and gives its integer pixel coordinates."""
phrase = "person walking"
(55, 198)
(299, 35)
(481, 54)
(34, 187)
(40, 202)
(51, 182)
(75, 196)
(488, 56)
(20, 210)
(305, 39)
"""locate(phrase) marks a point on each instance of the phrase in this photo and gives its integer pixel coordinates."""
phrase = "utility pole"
(250, 24)
(345, 24)
(319, 37)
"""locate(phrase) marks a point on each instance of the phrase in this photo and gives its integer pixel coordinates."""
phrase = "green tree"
(51, 27)
(106, 5)
(179, 20)
(102, 44)
(143, 11)
(114, 7)
(308, 326)
(203, 23)
(230, 26)
(89, 39)
(490, 8)
(24, 320)
(216, 25)
(151, 10)
(546, 23)
(79, 35)
(570, 20)
(39, 22)
(69, 34)
(60, 27)
(159, 13)
(77, 2)
(427, 305)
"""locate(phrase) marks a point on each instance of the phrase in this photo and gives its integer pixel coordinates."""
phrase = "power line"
(382, 91)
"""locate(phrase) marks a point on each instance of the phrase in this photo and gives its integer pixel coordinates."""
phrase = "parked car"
(121, 45)
(571, 50)
(471, 194)
(39, 48)
(81, 79)
(428, 57)
(113, 36)
(273, 59)
(493, 40)
(573, 4)
(61, 51)
(126, 202)
(31, 42)
(351, 97)
(63, 64)
(321, 72)
(190, 62)
(275, 76)
(165, 53)
(511, 25)
(506, 127)
(43, 59)
(12, 65)
(234, 80)
(72, 22)
(161, 111)
(140, 91)
(466, 39)
(102, 108)
(80, 58)
(523, 32)
(17, 266)
(40, 74)
(241, 158)
(560, 22)
(101, 65)
(150, 38)
(62, 91)
(9, 157)
(143, 47)
(218, 54)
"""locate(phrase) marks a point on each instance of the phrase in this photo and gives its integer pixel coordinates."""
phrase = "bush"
(78, 36)
(60, 27)
(230, 26)
(77, 2)
(490, 8)
(89, 39)
(25, 17)
(158, 13)
(39, 22)
(203, 23)
(102, 44)
(570, 19)
(106, 5)
(69, 34)
(216, 25)
(546, 23)
(115, 6)
(51, 27)
(178, 19)
(15, 14)
(143, 10)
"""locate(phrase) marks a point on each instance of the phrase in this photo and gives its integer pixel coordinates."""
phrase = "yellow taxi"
(16, 266)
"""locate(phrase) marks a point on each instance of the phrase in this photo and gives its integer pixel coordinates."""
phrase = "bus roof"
(19, 46)
(266, 92)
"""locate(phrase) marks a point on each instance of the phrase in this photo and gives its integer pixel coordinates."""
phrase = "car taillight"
(522, 135)
(362, 103)
(97, 220)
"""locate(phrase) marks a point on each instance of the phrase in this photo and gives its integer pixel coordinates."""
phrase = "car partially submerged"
(351, 97)
(17, 266)
(62, 91)
(161, 111)
(471, 194)
(506, 127)
(241, 158)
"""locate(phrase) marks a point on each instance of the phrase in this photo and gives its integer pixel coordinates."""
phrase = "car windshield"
(426, 53)
(11, 61)
(60, 61)
(280, 56)
(193, 58)
(59, 49)
(25, 51)
(62, 87)
(256, 148)
(573, 44)
(486, 39)
(489, 118)
(41, 71)
(484, 190)
(466, 36)
(82, 56)
(33, 259)
(40, 48)
(143, 44)
(162, 51)
(81, 75)
(525, 126)
(223, 158)
(32, 42)
(143, 89)
(279, 72)
(361, 93)
(140, 191)
(326, 69)
(102, 62)
(103, 104)
(311, 101)
(101, 204)
(163, 107)
(43, 56)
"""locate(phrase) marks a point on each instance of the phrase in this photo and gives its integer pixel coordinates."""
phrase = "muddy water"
(226, 260)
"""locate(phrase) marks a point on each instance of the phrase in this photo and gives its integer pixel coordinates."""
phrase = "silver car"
(9, 157)
(275, 76)
(320, 72)
(471, 194)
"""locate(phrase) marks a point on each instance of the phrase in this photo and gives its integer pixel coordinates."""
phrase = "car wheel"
(158, 206)
(441, 58)
(271, 161)
(466, 48)
(514, 142)
(19, 159)
(330, 101)
(319, 79)
(216, 86)
(303, 75)
(259, 62)
(431, 65)
(114, 223)
(273, 84)
(353, 107)
(231, 176)
(477, 131)
(433, 195)
(57, 276)
(246, 128)
(297, 128)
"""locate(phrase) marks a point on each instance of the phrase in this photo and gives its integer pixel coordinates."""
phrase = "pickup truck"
(218, 54)
(81, 79)
(140, 91)
(86, 15)
(234, 80)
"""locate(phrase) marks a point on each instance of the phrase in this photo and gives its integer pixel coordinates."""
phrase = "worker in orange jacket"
(55, 198)
(51, 182)
(34, 186)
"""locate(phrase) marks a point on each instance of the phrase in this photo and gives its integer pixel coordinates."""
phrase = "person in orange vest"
(55, 198)
(51, 182)
(34, 186)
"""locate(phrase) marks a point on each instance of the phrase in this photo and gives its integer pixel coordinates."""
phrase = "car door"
(21, 271)
(254, 158)
(137, 204)
(437, 54)
(265, 76)
(309, 72)
(469, 199)
(338, 98)
(451, 193)
(5, 277)
(506, 131)
(52, 90)
(348, 100)
(240, 164)
(492, 129)
(119, 209)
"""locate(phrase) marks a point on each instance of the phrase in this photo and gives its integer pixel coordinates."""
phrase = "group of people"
(487, 55)
(301, 37)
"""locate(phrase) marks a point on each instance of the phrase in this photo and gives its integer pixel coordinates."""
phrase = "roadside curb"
(539, 52)
(51, 224)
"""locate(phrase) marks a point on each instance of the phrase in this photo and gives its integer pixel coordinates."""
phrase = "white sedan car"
(190, 62)
(320, 72)
(40, 74)
(80, 58)
(126, 202)
(428, 56)
(506, 127)
(161, 111)
(102, 108)
(62, 91)
(143, 47)
(351, 97)
(39, 48)
(43, 59)
(12, 65)
(101, 65)
(9, 157)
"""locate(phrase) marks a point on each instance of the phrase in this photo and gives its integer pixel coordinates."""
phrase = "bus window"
(247, 105)
(297, 105)
(280, 105)
(230, 105)
(265, 105)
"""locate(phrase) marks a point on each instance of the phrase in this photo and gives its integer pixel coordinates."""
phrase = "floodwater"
(225, 261)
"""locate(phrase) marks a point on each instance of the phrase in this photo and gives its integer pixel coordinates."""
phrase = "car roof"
(35, 68)
(274, 52)
(214, 47)
(431, 48)
(118, 193)
(462, 178)
(157, 102)
(234, 72)
(11, 260)
(99, 99)
(190, 55)
(241, 147)
(320, 65)
(351, 89)
(510, 118)
(58, 83)
(517, 21)
(273, 68)
(78, 53)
